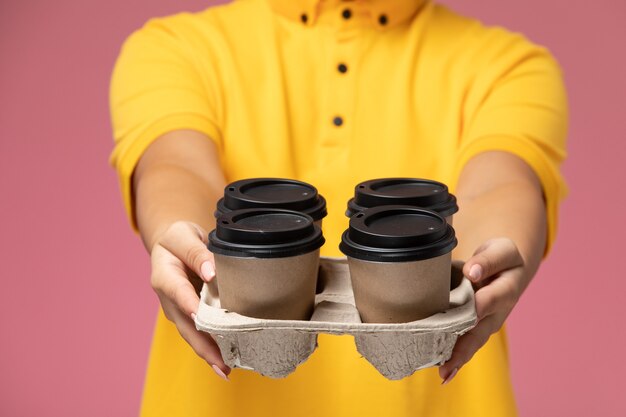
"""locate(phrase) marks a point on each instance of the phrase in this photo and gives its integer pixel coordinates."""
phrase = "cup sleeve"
(157, 87)
(520, 106)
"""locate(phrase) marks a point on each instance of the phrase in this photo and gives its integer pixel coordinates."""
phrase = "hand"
(179, 253)
(498, 271)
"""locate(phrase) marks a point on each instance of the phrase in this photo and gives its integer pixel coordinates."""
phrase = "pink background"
(77, 310)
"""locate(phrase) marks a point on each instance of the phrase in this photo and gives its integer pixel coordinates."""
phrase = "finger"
(495, 256)
(202, 344)
(180, 303)
(500, 295)
(183, 294)
(467, 345)
(187, 242)
(170, 282)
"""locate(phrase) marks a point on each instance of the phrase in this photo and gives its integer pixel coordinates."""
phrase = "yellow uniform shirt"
(334, 93)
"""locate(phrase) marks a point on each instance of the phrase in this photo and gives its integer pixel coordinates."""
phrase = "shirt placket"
(338, 112)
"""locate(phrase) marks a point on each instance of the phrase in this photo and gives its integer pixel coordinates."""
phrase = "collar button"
(383, 20)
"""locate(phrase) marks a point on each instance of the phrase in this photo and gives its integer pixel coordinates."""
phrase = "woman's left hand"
(498, 273)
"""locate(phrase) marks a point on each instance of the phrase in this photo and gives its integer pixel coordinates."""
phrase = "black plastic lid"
(397, 234)
(265, 233)
(272, 193)
(428, 194)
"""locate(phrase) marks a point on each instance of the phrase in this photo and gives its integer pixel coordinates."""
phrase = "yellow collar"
(382, 14)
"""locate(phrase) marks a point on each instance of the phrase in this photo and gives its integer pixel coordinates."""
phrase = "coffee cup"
(400, 261)
(279, 193)
(266, 262)
(422, 193)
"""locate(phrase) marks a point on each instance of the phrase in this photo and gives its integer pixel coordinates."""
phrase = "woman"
(332, 93)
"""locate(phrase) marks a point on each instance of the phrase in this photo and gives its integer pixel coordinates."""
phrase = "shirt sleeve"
(157, 87)
(518, 104)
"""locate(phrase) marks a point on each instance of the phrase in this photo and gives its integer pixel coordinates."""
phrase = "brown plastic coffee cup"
(266, 262)
(417, 192)
(278, 193)
(400, 262)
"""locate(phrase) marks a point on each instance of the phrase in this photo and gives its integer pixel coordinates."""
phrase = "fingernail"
(193, 316)
(452, 375)
(219, 373)
(475, 272)
(207, 270)
(449, 377)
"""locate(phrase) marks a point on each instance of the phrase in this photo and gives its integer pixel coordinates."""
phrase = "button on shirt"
(307, 90)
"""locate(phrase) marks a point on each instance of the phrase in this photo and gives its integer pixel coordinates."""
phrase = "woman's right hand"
(177, 254)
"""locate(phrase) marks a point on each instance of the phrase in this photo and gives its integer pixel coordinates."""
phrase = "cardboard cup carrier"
(422, 193)
(275, 348)
(272, 325)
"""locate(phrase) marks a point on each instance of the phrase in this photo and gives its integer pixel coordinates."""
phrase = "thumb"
(187, 241)
(491, 258)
